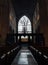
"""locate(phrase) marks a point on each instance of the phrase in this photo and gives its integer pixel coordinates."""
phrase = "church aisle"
(24, 57)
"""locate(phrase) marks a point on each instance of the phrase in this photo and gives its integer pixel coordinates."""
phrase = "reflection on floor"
(24, 57)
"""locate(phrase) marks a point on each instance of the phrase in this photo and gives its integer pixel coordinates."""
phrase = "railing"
(41, 58)
(37, 38)
(7, 58)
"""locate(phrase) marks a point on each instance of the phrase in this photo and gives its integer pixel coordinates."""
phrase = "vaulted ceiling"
(24, 7)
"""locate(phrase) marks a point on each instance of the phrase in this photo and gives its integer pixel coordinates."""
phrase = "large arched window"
(24, 25)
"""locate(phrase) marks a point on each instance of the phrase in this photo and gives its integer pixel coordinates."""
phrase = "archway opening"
(24, 27)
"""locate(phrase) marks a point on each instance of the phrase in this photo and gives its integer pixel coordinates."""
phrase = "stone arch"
(24, 25)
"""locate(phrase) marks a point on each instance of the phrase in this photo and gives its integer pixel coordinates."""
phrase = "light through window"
(24, 25)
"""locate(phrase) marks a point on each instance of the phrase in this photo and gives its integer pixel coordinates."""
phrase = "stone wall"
(43, 19)
(4, 19)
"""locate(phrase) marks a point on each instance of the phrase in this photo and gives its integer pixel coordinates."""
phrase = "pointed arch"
(24, 25)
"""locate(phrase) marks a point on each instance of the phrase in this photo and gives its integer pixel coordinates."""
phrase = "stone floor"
(24, 57)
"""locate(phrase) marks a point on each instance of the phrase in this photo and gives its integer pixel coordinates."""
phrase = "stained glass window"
(24, 25)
